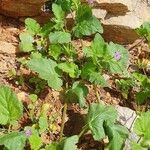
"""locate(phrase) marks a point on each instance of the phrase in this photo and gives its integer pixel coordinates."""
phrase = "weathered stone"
(17, 8)
(115, 6)
(127, 118)
(121, 29)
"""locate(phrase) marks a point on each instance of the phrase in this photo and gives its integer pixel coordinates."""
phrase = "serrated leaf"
(13, 140)
(11, 108)
(118, 66)
(46, 29)
(96, 78)
(46, 68)
(141, 126)
(55, 51)
(87, 24)
(26, 43)
(53, 146)
(84, 11)
(144, 29)
(89, 72)
(59, 37)
(66, 144)
(142, 96)
(32, 26)
(88, 27)
(136, 146)
(77, 94)
(70, 68)
(97, 49)
(97, 115)
(70, 143)
(35, 140)
(59, 16)
(43, 124)
(65, 4)
(146, 140)
(117, 135)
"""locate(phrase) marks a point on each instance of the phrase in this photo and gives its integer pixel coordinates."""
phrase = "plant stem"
(63, 121)
(9, 128)
(97, 94)
(85, 128)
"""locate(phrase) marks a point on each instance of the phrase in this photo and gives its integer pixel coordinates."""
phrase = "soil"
(9, 35)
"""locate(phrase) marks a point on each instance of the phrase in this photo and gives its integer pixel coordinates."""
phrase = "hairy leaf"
(89, 72)
(70, 68)
(35, 140)
(97, 50)
(117, 135)
(97, 115)
(87, 24)
(59, 16)
(43, 124)
(32, 26)
(77, 94)
(118, 66)
(55, 51)
(13, 140)
(66, 144)
(59, 37)
(26, 44)
(141, 126)
(136, 146)
(46, 68)
(11, 108)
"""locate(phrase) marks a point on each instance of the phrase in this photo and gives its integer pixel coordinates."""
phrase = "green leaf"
(141, 126)
(87, 24)
(65, 4)
(53, 146)
(88, 27)
(43, 124)
(142, 96)
(13, 140)
(66, 144)
(84, 12)
(35, 140)
(77, 94)
(97, 115)
(32, 26)
(135, 146)
(33, 97)
(142, 80)
(117, 135)
(118, 66)
(97, 50)
(55, 51)
(59, 16)
(125, 85)
(11, 108)
(89, 72)
(46, 29)
(69, 143)
(26, 44)
(59, 37)
(144, 29)
(46, 68)
(96, 78)
(146, 140)
(70, 68)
